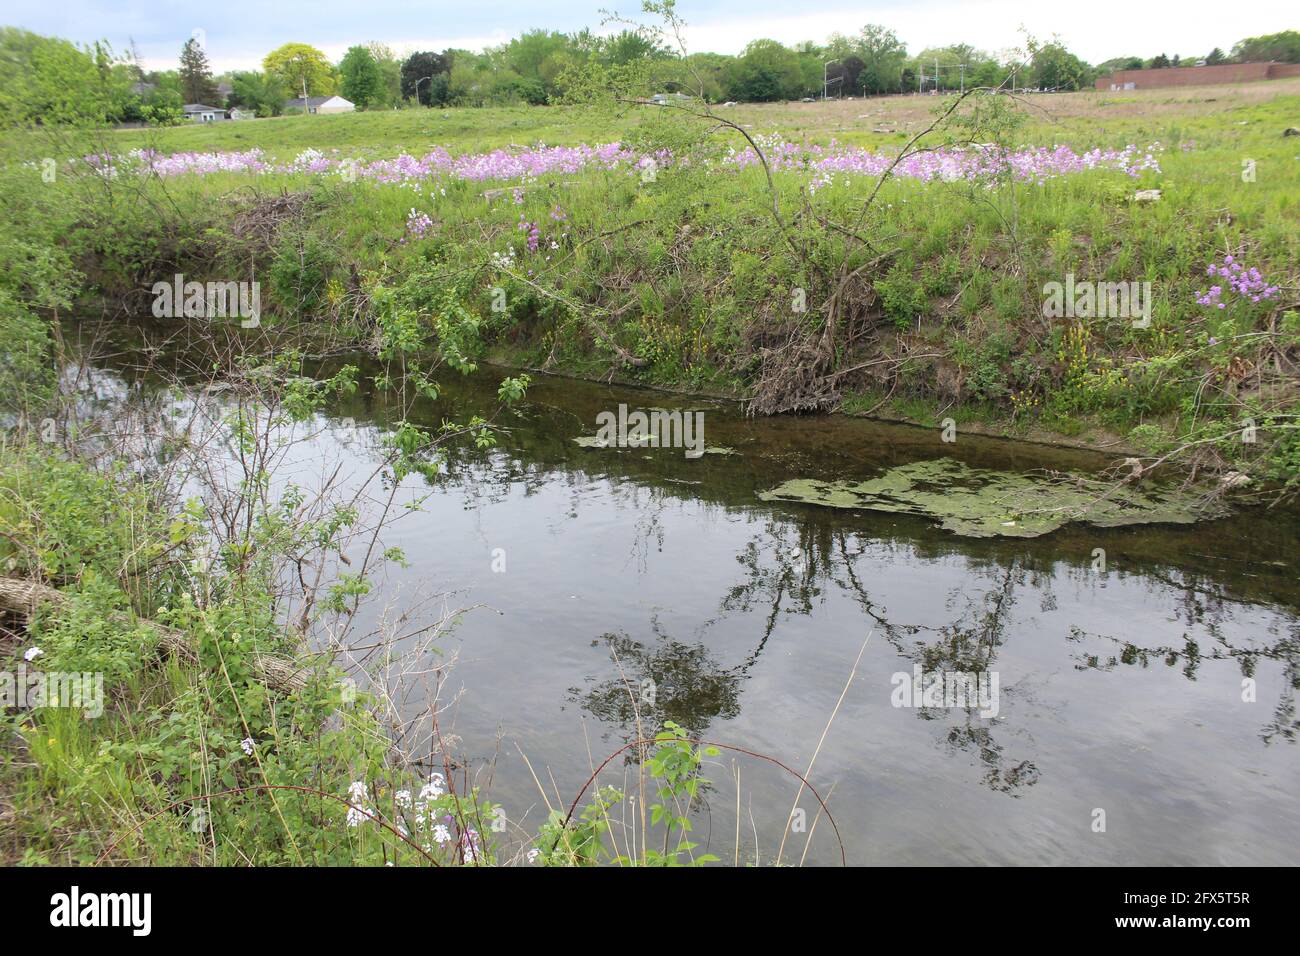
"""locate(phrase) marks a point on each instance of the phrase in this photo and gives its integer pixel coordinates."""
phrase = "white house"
(321, 104)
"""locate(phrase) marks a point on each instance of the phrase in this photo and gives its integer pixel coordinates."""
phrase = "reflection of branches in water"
(894, 634)
(489, 477)
(973, 649)
(689, 686)
(1003, 779)
(785, 578)
(648, 527)
(1285, 724)
(792, 578)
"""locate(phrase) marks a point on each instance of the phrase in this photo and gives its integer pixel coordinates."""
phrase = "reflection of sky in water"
(749, 618)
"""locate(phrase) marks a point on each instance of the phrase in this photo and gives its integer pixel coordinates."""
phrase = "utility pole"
(826, 79)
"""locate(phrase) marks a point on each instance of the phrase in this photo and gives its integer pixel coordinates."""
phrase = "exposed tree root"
(23, 597)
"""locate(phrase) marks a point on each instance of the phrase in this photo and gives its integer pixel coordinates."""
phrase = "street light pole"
(417, 88)
(826, 93)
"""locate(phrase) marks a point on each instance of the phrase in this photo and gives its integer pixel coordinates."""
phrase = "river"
(1125, 658)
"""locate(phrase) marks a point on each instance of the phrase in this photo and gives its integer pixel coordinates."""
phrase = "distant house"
(320, 104)
(198, 113)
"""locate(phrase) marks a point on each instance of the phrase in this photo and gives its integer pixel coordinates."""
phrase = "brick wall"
(1197, 75)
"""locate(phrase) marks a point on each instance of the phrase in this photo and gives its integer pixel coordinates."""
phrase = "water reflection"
(635, 570)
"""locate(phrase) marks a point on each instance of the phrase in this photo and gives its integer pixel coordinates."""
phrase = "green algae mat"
(981, 503)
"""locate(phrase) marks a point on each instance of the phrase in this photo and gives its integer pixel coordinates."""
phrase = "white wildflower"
(435, 788)
(357, 794)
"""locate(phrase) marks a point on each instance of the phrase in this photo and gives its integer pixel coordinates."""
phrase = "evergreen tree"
(197, 85)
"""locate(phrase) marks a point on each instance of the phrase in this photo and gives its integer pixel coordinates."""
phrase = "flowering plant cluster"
(979, 162)
(418, 224)
(438, 820)
(533, 241)
(1028, 164)
(532, 232)
(1242, 283)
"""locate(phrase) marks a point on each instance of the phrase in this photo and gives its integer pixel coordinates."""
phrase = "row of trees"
(1281, 47)
(44, 79)
(537, 67)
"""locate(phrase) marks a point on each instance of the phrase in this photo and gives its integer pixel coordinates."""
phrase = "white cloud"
(1094, 31)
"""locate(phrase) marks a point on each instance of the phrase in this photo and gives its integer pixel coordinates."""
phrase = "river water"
(1126, 731)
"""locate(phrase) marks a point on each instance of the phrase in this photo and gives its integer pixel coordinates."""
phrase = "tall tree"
(300, 66)
(197, 85)
(419, 77)
(362, 82)
(766, 71)
(260, 92)
(850, 71)
(630, 45)
(1283, 47)
(883, 55)
(1053, 67)
(390, 71)
(47, 81)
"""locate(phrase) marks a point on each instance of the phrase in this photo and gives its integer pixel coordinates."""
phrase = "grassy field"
(1082, 119)
(688, 281)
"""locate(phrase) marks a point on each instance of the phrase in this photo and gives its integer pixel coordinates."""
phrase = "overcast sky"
(238, 33)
